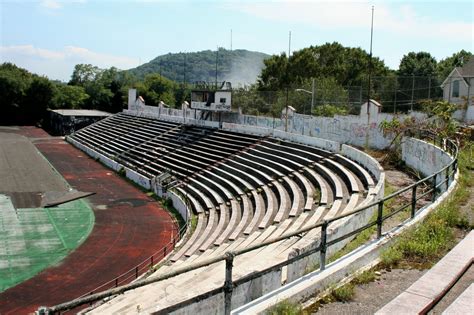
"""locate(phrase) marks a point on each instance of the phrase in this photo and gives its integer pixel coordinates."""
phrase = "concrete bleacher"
(243, 189)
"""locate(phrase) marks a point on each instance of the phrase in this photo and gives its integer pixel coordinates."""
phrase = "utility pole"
(217, 60)
(395, 102)
(312, 98)
(184, 70)
(231, 40)
(429, 86)
(287, 82)
(412, 91)
(370, 59)
(370, 73)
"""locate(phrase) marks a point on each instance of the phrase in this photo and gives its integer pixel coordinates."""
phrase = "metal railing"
(140, 269)
(446, 174)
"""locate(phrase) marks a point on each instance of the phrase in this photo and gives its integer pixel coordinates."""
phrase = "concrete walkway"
(432, 286)
(129, 228)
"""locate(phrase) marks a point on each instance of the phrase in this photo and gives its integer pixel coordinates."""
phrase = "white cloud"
(30, 50)
(51, 4)
(58, 4)
(47, 62)
(399, 19)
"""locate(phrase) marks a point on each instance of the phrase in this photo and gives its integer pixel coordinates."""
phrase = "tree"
(106, 87)
(348, 66)
(37, 99)
(69, 97)
(417, 72)
(274, 75)
(446, 65)
(13, 83)
(84, 73)
(156, 88)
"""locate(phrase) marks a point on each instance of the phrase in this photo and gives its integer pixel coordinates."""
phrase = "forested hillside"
(237, 66)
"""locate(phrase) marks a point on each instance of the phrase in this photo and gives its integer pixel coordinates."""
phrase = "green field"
(34, 239)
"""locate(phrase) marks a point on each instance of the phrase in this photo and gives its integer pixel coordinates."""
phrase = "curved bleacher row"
(243, 190)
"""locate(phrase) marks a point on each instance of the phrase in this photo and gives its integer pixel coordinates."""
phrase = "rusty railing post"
(228, 285)
(379, 219)
(434, 188)
(413, 201)
(323, 245)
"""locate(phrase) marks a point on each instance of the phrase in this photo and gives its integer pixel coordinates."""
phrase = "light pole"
(312, 97)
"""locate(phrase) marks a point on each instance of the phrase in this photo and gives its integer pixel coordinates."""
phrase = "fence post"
(434, 188)
(136, 272)
(413, 201)
(446, 178)
(379, 219)
(323, 246)
(228, 285)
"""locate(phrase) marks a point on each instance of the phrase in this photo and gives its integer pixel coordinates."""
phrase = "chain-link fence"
(395, 93)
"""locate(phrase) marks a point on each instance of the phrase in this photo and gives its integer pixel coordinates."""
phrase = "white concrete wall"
(256, 288)
(211, 305)
(328, 145)
(261, 131)
(179, 204)
(424, 157)
(137, 178)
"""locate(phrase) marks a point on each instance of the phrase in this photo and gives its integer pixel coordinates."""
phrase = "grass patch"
(365, 277)
(285, 307)
(365, 235)
(423, 245)
(344, 293)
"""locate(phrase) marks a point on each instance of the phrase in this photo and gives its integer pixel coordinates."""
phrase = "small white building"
(459, 84)
(374, 109)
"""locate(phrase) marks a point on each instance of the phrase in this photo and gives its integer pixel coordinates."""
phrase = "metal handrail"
(228, 257)
(137, 270)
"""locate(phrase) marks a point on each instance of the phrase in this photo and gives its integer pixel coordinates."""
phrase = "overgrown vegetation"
(285, 307)
(424, 244)
(365, 277)
(344, 293)
(367, 234)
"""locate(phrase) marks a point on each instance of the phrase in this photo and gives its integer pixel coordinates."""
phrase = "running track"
(129, 227)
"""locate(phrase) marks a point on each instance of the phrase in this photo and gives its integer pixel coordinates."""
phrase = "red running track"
(129, 227)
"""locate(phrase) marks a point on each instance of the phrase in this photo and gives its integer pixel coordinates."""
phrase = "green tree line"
(341, 79)
(340, 75)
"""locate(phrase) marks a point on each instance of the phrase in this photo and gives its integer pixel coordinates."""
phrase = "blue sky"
(49, 37)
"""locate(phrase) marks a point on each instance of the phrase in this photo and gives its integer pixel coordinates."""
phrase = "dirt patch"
(368, 298)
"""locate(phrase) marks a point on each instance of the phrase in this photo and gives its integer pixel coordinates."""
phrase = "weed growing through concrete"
(344, 293)
(365, 277)
(285, 307)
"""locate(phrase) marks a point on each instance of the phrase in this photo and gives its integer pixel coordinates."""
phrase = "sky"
(49, 37)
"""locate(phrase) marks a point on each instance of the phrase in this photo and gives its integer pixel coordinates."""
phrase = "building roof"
(467, 70)
(373, 102)
(81, 112)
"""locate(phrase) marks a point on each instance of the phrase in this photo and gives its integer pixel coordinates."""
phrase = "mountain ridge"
(238, 66)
